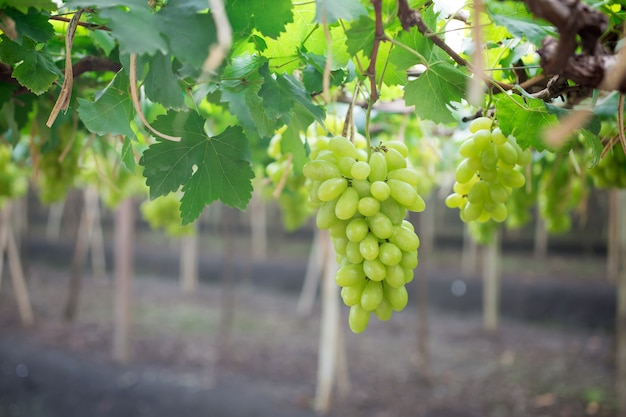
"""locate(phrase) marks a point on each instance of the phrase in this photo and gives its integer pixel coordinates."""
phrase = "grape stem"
(379, 35)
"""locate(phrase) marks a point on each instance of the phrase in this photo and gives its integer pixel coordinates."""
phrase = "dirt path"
(524, 370)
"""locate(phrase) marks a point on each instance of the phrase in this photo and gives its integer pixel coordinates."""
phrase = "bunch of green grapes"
(610, 172)
(164, 213)
(112, 179)
(487, 174)
(561, 190)
(363, 200)
(13, 178)
(57, 166)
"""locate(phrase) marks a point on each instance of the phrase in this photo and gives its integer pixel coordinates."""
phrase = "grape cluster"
(363, 201)
(164, 213)
(57, 167)
(487, 174)
(610, 172)
(13, 178)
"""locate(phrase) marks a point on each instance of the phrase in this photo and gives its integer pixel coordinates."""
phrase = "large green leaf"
(34, 25)
(112, 110)
(161, 84)
(434, 91)
(33, 69)
(207, 168)
(24, 5)
(268, 16)
(331, 11)
(360, 36)
(525, 118)
(136, 29)
(514, 16)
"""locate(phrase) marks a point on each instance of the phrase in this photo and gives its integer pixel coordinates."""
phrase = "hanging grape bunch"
(363, 201)
(487, 174)
(610, 172)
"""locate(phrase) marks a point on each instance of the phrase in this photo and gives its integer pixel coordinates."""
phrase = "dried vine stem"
(135, 99)
(63, 101)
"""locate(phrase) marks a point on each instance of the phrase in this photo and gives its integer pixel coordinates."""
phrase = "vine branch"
(379, 35)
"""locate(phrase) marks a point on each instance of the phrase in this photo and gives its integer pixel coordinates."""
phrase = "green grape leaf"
(434, 90)
(268, 16)
(208, 168)
(24, 5)
(360, 36)
(525, 118)
(594, 146)
(34, 25)
(518, 21)
(195, 32)
(291, 141)
(128, 156)
(103, 40)
(161, 85)
(112, 110)
(33, 69)
(277, 101)
(330, 11)
(136, 29)
(240, 86)
(101, 4)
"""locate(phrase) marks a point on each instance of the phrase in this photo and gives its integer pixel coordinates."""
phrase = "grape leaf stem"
(379, 35)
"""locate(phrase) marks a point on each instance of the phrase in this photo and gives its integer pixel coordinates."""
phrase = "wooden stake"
(9, 244)
(329, 329)
(124, 231)
(620, 321)
(312, 277)
(491, 284)
(189, 262)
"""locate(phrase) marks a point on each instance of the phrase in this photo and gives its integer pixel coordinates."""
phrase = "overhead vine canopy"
(190, 92)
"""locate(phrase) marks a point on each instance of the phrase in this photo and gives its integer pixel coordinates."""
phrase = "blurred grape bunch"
(13, 177)
(164, 213)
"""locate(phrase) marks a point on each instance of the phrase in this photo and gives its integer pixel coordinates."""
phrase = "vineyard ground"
(559, 366)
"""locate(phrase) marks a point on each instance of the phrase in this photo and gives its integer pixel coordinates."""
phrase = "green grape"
(347, 203)
(455, 200)
(472, 211)
(351, 295)
(393, 210)
(499, 213)
(398, 146)
(508, 154)
(372, 295)
(407, 225)
(374, 269)
(338, 228)
(380, 226)
(378, 167)
(341, 147)
(357, 229)
(405, 239)
(340, 243)
(349, 274)
(394, 159)
(383, 311)
(358, 319)
(480, 123)
(345, 165)
(389, 254)
(468, 149)
(320, 170)
(409, 259)
(380, 190)
(489, 156)
(409, 274)
(353, 253)
(498, 137)
(407, 175)
(498, 193)
(332, 188)
(511, 178)
(362, 187)
(478, 193)
(402, 192)
(395, 276)
(369, 247)
(368, 206)
(464, 171)
(326, 215)
(482, 138)
(396, 297)
(360, 170)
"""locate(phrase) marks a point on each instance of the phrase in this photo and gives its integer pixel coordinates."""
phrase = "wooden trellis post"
(8, 245)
